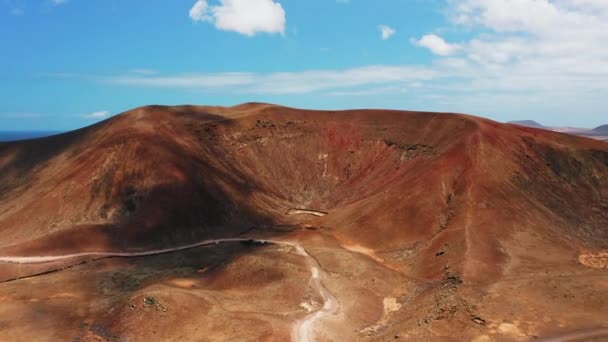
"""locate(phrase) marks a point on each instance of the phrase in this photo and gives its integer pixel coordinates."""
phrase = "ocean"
(24, 135)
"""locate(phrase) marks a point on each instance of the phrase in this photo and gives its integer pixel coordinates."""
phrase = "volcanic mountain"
(423, 225)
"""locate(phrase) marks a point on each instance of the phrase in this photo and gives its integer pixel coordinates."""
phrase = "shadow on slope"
(151, 178)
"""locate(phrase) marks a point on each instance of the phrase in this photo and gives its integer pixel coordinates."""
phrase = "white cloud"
(561, 33)
(186, 81)
(370, 91)
(247, 17)
(537, 46)
(144, 71)
(437, 45)
(199, 12)
(97, 115)
(523, 56)
(282, 82)
(386, 32)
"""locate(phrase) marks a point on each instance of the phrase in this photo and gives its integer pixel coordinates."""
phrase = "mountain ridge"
(449, 208)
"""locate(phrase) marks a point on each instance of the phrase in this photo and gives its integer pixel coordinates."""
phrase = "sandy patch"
(183, 283)
(390, 305)
(594, 260)
(510, 329)
(309, 306)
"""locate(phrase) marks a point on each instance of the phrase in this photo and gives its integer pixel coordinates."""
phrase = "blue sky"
(65, 64)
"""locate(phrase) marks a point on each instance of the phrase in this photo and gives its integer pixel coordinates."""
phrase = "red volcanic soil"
(438, 224)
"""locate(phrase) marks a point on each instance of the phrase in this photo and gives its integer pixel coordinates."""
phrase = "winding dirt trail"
(303, 329)
(46, 259)
(592, 334)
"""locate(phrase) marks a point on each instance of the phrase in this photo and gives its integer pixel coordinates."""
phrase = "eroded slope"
(438, 224)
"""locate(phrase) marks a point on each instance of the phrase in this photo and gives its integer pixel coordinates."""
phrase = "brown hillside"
(436, 197)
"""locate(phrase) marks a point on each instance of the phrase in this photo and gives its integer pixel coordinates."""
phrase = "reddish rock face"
(452, 201)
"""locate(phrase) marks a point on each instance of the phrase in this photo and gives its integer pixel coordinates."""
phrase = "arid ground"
(266, 223)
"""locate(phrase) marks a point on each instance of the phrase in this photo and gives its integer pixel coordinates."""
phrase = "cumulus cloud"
(247, 17)
(528, 45)
(564, 33)
(437, 45)
(386, 32)
(97, 115)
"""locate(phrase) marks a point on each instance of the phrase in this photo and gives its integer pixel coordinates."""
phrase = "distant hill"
(599, 133)
(527, 123)
(601, 130)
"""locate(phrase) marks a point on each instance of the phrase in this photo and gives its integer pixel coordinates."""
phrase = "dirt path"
(303, 329)
(593, 334)
(46, 259)
(295, 211)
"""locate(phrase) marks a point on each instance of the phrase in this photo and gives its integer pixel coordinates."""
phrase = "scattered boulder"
(265, 124)
(151, 302)
(594, 260)
(478, 320)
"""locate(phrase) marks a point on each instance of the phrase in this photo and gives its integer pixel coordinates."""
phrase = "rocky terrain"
(386, 225)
